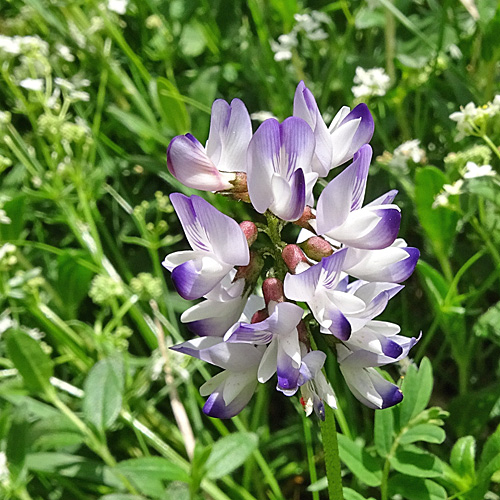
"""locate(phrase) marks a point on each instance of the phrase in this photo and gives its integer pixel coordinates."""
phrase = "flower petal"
(230, 134)
(188, 162)
(196, 278)
(369, 387)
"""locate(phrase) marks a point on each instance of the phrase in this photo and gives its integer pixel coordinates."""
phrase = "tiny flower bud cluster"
(345, 266)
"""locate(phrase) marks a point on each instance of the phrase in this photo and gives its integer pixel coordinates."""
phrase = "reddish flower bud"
(259, 316)
(316, 248)
(272, 288)
(251, 271)
(303, 334)
(305, 218)
(293, 257)
(250, 231)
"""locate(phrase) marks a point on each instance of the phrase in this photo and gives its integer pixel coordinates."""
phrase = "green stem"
(332, 458)
(306, 423)
(491, 144)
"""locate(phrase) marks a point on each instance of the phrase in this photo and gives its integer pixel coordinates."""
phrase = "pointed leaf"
(364, 466)
(229, 452)
(413, 461)
(33, 364)
(103, 392)
(383, 431)
(413, 488)
(417, 389)
(423, 432)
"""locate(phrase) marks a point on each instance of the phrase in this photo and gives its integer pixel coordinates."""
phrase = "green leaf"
(463, 456)
(73, 466)
(121, 496)
(417, 389)
(170, 105)
(383, 431)
(15, 211)
(439, 223)
(470, 412)
(353, 495)
(103, 392)
(423, 432)
(153, 468)
(320, 484)
(33, 364)
(55, 432)
(364, 466)
(17, 438)
(73, 279)
(229, 452)
(414, 488)
(488, 324)
(490, 457)
(413, 461)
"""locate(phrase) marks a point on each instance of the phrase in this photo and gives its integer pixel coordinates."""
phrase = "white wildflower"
(261, 116)
(10, 45)
(283, 47)
(65, 52)
(371, 82)
(5, 117)
(4, 470)
(409, 150)
(472, 170)
(36, 84)
(455, 188)
(4, 219)
(118, 6)
(64, 84)
(79, 95)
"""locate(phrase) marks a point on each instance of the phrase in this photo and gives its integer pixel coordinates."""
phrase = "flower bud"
(250, 272)
(239, 183)
(306, 216)
(294, 258)
(259, 316)
(272, 288)
(250, 231)
(316, 248)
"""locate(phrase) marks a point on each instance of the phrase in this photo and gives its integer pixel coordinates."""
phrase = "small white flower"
(79, 95)
(371, 82)
(36, 84)
(261, 116)
(64, 84)
(10, 45)
(472, 170)
(283, 47)
(65, 52)
(4, 219)
(455, 188)
(4, 470)
(118, 6)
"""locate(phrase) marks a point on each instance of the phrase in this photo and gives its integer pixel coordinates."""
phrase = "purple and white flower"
(230, 390)
(314, 388)
(394, 264)
(283, 354)
(377, 344)
(336, 144)
(196, 272)
(222, 307)
(279, 168)
(318, 287)
(213, 167)
(341, 216)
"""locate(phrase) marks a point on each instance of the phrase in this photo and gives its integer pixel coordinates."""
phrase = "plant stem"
(332, 459)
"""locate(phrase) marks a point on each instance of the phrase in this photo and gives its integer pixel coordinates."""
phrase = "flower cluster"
(345, 266)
